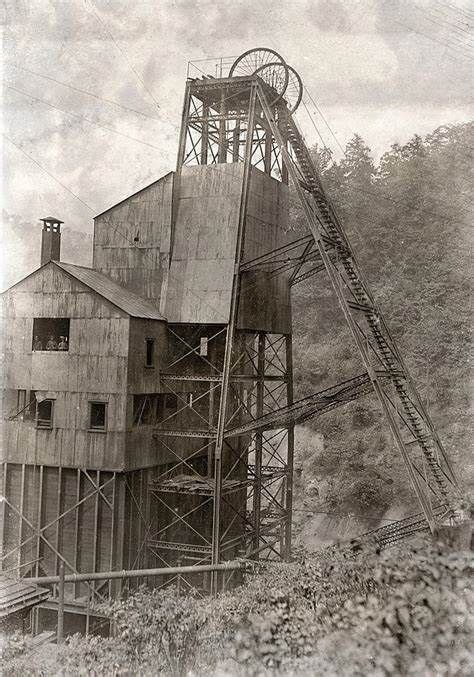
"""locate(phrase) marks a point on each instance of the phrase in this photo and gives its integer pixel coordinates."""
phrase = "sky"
(93, 90)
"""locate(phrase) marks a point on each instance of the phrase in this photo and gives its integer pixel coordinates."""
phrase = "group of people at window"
(51, 344)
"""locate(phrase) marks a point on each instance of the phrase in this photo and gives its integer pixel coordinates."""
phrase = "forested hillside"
(409, 221)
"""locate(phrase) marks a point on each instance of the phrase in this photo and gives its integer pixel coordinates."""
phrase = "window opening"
(203, 347)
(44, 413)
(21, 400)
(97, 415)
(143, 409)
(171, 401)
(50, 333)
(150, 352)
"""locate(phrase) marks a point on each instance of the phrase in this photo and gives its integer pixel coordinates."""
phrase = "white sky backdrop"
(383, 68)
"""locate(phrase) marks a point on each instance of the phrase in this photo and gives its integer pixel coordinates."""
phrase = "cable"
(349, 514)
(46, 171)
(458, 10)
(81, 117)
(92, 10)
(441, 15)
(457, 51)
(324, 119)
(82, 91)
(437, 23)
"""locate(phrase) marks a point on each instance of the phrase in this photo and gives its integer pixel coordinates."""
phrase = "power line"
(441, 14)
(82, 91)
(456, 50)
(93, 11)
(46, 171)
(444, 25)
(308, 94)
(457, 10)
(82, 117)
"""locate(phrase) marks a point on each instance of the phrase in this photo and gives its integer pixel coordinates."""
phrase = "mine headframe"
(247, 118)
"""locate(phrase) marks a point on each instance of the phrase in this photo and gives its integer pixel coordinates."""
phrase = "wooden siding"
(139, 266)
(205, 237)
(94, 368)
(143, 379)
(91, 530)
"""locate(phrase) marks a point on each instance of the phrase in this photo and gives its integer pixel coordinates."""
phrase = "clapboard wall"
(204, 248)
(132, 241)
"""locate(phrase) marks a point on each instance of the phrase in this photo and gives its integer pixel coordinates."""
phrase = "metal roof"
(124, 299)
(16, 595)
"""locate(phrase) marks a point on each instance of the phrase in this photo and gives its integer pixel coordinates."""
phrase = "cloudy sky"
(93, 88)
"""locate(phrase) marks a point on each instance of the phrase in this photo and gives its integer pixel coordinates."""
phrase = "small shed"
(17, 598)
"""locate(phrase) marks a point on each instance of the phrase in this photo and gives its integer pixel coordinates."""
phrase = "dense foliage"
(409, 221)
(407, 612)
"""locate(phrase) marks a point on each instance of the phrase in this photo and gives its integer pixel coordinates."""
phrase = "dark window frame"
(97, 428)
(204, 346)
(44, 423)
(150, 353)
(44, 327)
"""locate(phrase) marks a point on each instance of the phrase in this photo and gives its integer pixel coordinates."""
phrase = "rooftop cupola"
(51, 240)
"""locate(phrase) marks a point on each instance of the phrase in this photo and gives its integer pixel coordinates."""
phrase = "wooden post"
(290, 451)
(88, 610)
(3, 509)
(204, 133)
(77, 515)
(222, 151)
(258, 443)
(60, 630)
(22, 509)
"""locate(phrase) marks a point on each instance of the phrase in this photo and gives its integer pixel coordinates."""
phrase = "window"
(203, 346)
(150, 352)
(170, 401)
(21, 401)
(97, 415)
(44, 414)
(144, 408)
(50, 333)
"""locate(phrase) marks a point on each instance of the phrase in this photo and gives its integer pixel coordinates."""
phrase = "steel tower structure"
(245, 118)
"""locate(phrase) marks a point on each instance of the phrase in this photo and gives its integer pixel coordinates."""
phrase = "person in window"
(51, 345)
(62, 345)
(37, 345)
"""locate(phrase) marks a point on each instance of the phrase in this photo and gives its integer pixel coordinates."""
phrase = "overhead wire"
(82, 91)
(457, 51)
(458, 10)
(446, 26)
(81, 117)
(441, 15)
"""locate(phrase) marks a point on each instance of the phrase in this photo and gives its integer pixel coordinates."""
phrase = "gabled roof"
(129, 197)
(16, 595)
(124, 299)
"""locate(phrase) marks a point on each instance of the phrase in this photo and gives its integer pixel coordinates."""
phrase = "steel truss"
(253, 488)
